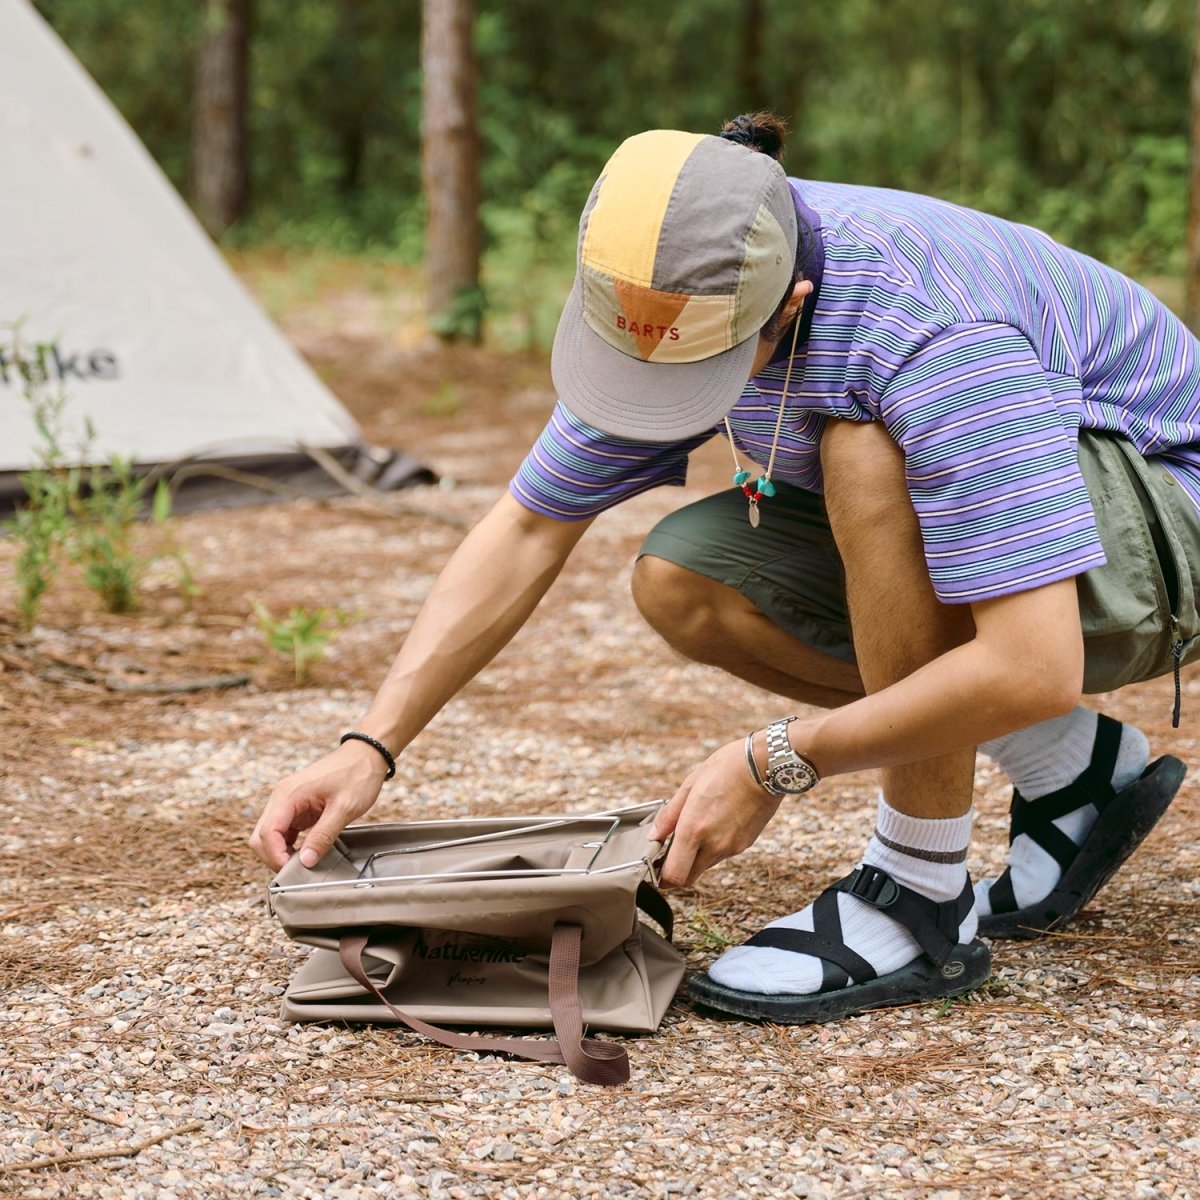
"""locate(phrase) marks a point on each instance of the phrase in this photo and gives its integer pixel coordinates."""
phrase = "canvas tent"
(140, 320)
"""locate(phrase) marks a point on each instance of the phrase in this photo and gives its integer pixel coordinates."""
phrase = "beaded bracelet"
(354, 735)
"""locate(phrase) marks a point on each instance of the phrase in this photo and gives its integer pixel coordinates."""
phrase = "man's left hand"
(718, 812)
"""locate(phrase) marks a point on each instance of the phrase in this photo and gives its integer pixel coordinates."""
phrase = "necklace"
(763, 488)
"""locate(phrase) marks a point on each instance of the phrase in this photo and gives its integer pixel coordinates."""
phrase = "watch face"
(792, 777)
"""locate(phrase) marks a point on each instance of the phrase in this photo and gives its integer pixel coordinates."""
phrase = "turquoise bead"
(740, 477)
(765, 486)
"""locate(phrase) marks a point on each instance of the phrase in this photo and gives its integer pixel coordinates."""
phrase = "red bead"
(757, 496)
(747, 490)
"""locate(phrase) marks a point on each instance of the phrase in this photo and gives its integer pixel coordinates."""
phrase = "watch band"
(777, 739)
(787, 773)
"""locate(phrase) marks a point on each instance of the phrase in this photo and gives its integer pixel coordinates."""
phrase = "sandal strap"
(840, 965)
(1035, 818)
(1001, 895)
(934, 924)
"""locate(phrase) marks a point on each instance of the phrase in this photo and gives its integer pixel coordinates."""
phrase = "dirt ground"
(141, 970)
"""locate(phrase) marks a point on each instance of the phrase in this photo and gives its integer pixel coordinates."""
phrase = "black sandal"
(850, 984)
(1126, 817)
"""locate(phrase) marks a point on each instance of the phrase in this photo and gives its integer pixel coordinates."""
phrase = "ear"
(800, 292)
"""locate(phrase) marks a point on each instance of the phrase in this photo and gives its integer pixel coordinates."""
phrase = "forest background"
(1071, 115)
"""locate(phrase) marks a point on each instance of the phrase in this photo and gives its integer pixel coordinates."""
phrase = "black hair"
(761, 131)
(766, 133)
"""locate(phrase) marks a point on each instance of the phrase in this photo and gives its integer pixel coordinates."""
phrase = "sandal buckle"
(872, 885)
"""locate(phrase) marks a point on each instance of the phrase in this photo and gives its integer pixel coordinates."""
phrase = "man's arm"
(941, 678)
(485, 593)
(1024, 665)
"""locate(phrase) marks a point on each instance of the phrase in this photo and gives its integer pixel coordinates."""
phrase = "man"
(919, 379)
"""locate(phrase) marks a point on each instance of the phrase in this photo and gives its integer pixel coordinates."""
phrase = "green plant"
(990, 989)
(302, 635)
(171, 548)
(88, 515)
(462, 318)
(106, 512)
(42, 524)
(445, 402)
(707, 934)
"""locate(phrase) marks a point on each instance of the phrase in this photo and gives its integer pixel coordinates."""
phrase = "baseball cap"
(686, 246)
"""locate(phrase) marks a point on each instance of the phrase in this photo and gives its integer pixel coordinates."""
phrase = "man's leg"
(767, 605)
(715, 624)
(1084, 796)
(920, 840)
(1046, 763)
(737, 599)
(899, 625)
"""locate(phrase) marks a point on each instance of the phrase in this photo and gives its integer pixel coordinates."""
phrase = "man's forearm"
(485, 593)
(1024, 665)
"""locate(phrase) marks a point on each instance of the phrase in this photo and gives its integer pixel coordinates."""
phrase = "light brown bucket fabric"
(513, 922)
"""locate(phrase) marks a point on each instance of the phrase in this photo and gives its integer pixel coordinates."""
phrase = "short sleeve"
(990, 442)
(575, 471)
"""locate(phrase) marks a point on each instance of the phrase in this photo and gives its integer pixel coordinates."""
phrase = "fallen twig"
(57, 1160)
(115, 683)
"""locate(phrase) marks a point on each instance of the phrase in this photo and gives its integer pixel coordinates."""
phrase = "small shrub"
(106, 513)
(445, 402)
(462, 318)
(88, 515)
(42, 525)
(302, 635)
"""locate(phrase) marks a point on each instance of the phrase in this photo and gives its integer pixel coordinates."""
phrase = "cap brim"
(654, 402)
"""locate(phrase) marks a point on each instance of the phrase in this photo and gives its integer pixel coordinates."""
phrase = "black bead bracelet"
(355, 736)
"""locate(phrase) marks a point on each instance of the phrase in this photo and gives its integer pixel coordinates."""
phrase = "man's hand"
(323, 798)
(718, 812)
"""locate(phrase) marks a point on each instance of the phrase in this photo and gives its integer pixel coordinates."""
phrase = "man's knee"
(678, 603)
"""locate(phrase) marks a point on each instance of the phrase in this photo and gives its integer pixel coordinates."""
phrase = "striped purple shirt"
(983, 346)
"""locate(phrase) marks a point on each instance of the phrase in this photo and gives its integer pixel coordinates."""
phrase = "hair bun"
(761, 131)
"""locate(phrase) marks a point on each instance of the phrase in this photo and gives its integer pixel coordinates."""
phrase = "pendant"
(755, 516)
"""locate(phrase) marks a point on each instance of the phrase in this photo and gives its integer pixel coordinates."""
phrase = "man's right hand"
(322, 799)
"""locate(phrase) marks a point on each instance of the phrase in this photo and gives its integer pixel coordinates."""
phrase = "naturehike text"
(488, 952)
(48, 364)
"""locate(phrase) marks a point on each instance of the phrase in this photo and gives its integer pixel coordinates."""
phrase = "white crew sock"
(1040, 760)
(926, 855)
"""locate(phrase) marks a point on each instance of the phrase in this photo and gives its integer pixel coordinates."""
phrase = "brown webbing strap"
(589, 1060)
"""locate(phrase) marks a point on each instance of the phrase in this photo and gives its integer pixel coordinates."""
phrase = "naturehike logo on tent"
(49, 364)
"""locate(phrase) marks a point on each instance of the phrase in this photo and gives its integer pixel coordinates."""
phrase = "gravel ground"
(142, 971)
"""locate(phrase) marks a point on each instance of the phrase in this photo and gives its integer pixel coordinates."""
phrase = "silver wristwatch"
(787, 773)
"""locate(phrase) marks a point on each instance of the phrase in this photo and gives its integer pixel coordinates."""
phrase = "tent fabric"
(140, 322)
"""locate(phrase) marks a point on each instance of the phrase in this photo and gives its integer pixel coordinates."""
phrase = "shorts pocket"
(1124, 608)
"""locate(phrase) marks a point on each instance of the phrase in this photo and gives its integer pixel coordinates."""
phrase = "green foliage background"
(1069, 114)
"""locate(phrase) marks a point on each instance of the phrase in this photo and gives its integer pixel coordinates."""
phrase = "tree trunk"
(450, 169)
(1192, 306)
(220, 166)
(354, 89)
(750, 84)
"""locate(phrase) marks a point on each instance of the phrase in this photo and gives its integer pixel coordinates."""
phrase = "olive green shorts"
(790, 569)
